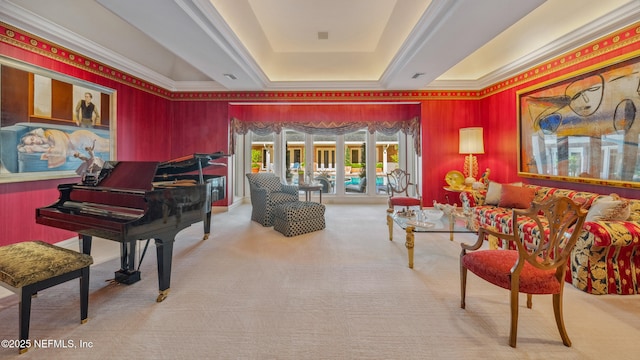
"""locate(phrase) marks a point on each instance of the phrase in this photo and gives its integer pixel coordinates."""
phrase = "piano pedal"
(127, 277)
(111, 282)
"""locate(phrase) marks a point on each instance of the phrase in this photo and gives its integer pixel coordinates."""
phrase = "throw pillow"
(609, 208)
(518, 197)
(493, 192)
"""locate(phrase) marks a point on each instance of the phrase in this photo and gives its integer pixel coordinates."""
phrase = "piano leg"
(207, 224)
(164, 251)
(207, 211)
(85, 244)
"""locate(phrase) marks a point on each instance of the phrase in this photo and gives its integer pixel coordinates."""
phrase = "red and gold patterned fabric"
(606, 258)
(495, 267)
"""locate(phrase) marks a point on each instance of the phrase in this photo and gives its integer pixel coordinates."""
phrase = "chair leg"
(25, 317)
(529, 301)
(557, 311)
(463, 284)
(390, 223)
(513, 334)
(84, 294)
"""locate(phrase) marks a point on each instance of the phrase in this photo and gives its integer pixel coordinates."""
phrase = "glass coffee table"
(453, 222)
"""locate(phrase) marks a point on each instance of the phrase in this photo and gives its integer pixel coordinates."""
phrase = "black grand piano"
(139, 200)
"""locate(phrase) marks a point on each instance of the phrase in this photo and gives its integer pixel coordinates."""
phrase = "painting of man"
(87, 112)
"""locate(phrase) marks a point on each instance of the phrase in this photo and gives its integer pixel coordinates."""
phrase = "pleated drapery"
(409, 127)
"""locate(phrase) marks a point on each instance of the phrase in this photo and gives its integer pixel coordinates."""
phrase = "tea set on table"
(430, 217)
(429, 214)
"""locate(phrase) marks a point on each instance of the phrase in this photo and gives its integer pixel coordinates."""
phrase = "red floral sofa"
(606, 258)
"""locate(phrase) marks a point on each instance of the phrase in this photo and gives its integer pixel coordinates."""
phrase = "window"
(387, 158)
(355, 143)
(294, 155)
(262, 151)
(349, 166)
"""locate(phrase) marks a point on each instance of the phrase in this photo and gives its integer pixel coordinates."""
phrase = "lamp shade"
(471, 141)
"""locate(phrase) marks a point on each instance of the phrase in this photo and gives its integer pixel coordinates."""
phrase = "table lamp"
(471, 142)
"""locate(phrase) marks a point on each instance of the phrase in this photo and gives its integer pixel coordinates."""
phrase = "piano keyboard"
(116, 212)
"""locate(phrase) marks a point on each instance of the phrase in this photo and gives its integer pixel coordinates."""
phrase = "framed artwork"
(51, 123)
(582, 127)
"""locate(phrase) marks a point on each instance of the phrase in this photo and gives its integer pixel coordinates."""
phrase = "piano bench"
(299, 217)
(31, 266)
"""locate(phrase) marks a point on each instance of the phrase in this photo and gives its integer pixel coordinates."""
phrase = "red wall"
(441, 120)
(498, 114)
(326, 112)
(202, 127)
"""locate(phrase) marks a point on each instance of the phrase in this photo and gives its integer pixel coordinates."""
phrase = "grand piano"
(138, 200)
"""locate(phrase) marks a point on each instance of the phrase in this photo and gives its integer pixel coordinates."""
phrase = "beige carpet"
(343, 293)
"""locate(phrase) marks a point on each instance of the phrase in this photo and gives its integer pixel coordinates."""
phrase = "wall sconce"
(471, 142)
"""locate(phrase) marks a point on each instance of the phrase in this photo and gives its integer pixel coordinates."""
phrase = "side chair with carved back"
(402, 192)
(538, 266)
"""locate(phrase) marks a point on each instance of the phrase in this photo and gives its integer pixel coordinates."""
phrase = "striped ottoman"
(297, 218)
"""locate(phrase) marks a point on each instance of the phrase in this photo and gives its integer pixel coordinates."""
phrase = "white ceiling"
(189, 45)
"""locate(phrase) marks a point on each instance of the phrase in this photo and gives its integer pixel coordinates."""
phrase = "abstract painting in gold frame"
(584, 126)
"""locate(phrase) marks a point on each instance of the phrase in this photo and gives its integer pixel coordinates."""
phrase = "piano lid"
(187, 164)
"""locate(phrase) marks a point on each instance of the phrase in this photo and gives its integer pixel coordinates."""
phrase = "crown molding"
(198, 86)
(466, 85)
(323, 85)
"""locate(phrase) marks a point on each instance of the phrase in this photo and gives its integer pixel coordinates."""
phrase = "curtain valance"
(409, 127)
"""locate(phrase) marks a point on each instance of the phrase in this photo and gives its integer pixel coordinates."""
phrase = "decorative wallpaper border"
(383, 95)
(615, 41)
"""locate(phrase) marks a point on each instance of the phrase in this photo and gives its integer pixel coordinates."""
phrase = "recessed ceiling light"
(230, 76)
(323, 35)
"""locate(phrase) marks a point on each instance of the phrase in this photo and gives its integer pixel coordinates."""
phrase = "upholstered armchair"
(266, 192)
